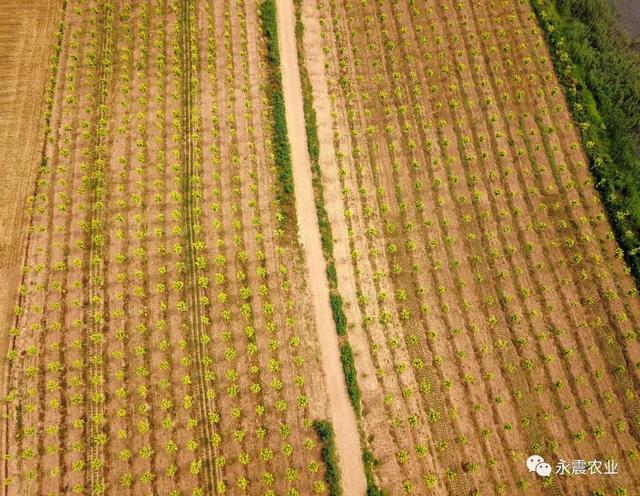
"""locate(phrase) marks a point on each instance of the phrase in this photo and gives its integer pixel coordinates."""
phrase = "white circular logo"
(532, 461)
(535, 463)
(543, 469)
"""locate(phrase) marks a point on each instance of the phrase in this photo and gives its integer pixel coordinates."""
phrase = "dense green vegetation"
(282, 148)
(369, 463)
(338, 314)
(349, 367)
(600, 72)
(324, 429)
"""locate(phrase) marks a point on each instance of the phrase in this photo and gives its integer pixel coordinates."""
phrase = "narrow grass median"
(281, 145)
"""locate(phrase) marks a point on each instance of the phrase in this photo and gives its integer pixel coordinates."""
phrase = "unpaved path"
(342, 414)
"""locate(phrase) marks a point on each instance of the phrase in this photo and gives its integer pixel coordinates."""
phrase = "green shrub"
(370, 463)
(338, 314)
(332, 275)
(268, 15)
(281, 146)
(324, 429)
(350, 376)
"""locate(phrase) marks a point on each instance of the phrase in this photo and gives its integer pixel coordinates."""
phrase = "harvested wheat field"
(297, 247)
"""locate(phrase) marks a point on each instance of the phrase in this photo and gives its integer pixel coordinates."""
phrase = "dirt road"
(342, 415)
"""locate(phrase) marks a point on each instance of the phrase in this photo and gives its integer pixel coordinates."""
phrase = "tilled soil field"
(163, 340)
(27, 29)
(169, 280)
(492, 316)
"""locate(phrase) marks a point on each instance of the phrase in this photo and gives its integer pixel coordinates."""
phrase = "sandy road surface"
(342, 415)
(27, 30)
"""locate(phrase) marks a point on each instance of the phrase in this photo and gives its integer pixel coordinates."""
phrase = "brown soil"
(489, 311)
(26, 31)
